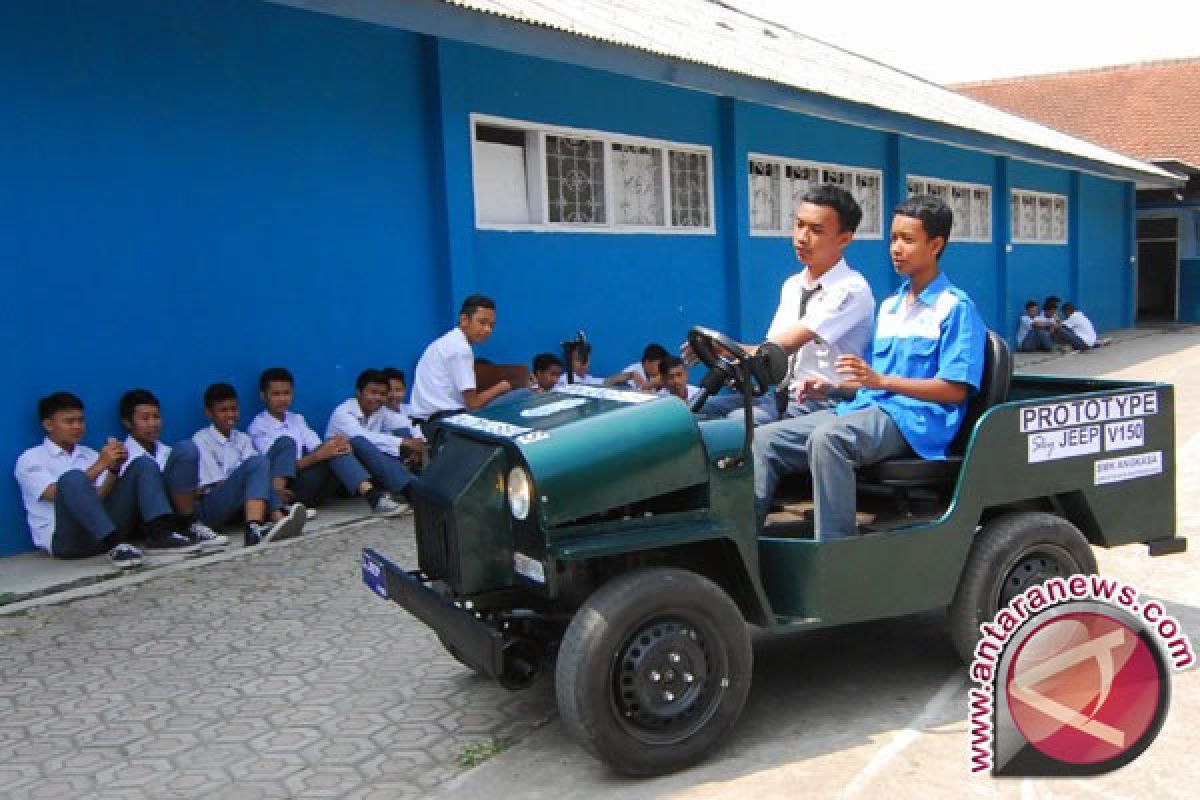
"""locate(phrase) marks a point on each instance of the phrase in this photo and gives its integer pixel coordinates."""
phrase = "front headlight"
(519, 491)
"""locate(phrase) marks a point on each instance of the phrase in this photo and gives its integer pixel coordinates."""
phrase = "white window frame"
(1017, 193)
(539, 199)
(788, 215)
(950, 186)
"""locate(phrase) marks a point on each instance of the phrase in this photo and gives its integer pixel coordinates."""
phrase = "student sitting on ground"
(444, 381)
(675, 380)
(401, 423)
(1075, 324)
(231, 477)
(645, 375)
(581, 365)
(320, 468)
(76, 504)
(363, 421)
(1033, 331)
(547, 370)
(141, 414)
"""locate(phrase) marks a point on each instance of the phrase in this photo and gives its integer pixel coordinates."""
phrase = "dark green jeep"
(607, 533)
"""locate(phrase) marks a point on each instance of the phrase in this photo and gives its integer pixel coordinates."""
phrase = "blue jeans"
(830, 447)
(82, 521)
(318, 482)
(387, 472)
(1038, 339)
(250, 481)
(729, 406)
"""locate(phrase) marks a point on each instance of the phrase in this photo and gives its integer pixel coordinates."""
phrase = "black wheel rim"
(1031, 568)
(668, 679)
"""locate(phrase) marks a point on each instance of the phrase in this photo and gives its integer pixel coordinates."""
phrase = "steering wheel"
(735, 369)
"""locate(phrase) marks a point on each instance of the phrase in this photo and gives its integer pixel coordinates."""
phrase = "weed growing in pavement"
(475, 754)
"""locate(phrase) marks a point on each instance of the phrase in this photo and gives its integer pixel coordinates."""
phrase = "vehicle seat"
(903, 474)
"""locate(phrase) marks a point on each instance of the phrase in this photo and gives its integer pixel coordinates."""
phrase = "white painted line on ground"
(954, 687)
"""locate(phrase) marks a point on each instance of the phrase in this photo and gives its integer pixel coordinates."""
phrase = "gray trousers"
(82, 521)
(830, 447)
(318, 482)
(729, 406)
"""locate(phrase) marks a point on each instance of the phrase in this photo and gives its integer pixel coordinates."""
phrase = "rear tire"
(653, 670)
(1012, 553)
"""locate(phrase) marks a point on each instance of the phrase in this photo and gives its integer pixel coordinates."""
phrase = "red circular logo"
(1083, 688)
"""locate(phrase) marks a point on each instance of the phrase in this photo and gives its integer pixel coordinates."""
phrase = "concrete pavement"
(274, 673)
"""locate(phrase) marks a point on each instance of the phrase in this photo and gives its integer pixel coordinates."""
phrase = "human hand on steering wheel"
(727, 359)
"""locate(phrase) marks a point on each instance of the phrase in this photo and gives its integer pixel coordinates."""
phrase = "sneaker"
(170, 542)
(386, 506)
(309, 513)
(125, 556)
(402, 501)
(1105, 342)
(255, 531)
(206, 537)
(291, 524)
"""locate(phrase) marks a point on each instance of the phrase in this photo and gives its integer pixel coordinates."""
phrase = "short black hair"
(669, 363)
(1051, 302)
(1068, 308)
(849, 213)
(654, 352)
(476, 302)
(369, 376)
(394, 374)
(274, 374)
(544, 361)
(134, 398)
(1029, 303)
(51, 404)
(218, 393)
(935, 214)
(582, 349)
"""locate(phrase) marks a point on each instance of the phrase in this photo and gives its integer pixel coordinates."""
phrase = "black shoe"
(255, 531)
(170, 542)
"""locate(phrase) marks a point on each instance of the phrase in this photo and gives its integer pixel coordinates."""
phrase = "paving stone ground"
(272, 675)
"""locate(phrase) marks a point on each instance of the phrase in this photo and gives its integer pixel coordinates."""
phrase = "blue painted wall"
(196, 190)
(1105, 286)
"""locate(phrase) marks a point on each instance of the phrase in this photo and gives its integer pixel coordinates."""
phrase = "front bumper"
(469, 638)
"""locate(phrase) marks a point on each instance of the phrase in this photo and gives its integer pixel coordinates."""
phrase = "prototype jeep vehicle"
(609, 534)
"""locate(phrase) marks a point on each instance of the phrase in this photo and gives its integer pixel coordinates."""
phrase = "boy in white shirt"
(231, 477)
(1034, 330)
(444, 382)
(141, 414)
(319, 468)
(547, 370)
(1081, 327)
(365, 422)
(646, 374)
(401, 423)
(76, 503)
(675, 381)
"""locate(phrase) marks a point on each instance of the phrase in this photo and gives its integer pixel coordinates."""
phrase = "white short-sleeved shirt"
(400, 422)
(219, 456)
(692, 392)
(581, 380)
(265, 429)
(446, 370)
(135, 450)
(37, 469)
(841, 313)
(349, 420)
(1082, 326)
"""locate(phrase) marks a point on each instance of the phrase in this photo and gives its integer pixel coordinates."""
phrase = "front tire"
(653, 670)
(1012, 553)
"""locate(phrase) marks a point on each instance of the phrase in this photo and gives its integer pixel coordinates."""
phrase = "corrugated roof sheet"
(716, 35)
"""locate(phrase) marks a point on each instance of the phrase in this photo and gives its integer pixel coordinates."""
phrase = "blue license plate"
(373, 576)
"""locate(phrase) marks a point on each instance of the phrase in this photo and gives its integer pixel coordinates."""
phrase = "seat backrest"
(993, 388)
